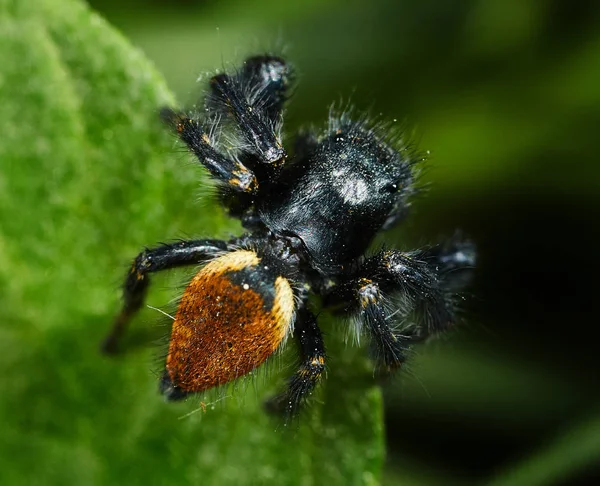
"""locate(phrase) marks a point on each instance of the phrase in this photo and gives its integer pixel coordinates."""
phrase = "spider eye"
(390, 188)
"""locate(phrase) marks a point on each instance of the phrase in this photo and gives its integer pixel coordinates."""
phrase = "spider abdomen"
(232, 316)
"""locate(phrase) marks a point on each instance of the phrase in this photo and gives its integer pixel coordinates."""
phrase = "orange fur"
(223, 330)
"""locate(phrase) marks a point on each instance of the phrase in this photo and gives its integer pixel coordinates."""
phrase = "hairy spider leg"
(267, 79)
(152, 260)
(254, 97)
(426, 279)
(312, 352)
(391, 348)
(259, 134)
(415, 279)
(418, 279)
(454, 261)
(233, 173)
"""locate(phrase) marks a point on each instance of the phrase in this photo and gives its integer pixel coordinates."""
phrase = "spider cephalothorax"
(311, 217)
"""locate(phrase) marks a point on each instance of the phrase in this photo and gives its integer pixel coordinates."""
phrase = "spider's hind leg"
(169, 390)
(149, 261)
(308, 375)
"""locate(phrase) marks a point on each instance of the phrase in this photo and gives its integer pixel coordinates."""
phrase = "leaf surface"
(89, 177)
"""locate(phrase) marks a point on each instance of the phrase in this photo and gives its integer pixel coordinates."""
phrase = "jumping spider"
(310, 219)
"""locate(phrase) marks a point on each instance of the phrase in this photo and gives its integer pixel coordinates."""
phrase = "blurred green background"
(506, 97)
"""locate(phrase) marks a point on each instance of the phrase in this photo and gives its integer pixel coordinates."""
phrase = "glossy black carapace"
(311, 214)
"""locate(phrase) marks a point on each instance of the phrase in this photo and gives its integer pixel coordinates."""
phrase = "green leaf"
(88, 177)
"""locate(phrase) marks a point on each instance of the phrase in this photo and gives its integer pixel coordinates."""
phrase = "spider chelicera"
(310, 219)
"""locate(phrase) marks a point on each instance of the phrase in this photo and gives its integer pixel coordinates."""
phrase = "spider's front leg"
(254, 98)
(303, 382)
(152, 260)
(197, 135)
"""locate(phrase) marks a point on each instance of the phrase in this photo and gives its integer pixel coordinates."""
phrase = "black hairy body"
(311, 217)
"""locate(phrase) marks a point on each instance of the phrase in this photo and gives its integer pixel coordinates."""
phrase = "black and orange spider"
(310, 219)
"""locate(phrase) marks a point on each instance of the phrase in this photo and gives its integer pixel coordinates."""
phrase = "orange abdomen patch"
(233, 315)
